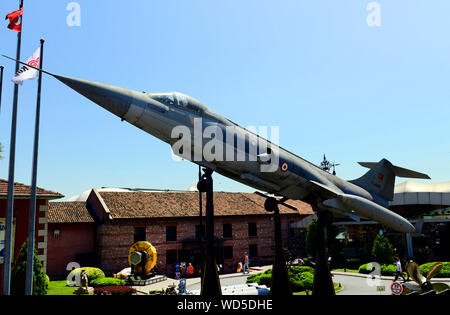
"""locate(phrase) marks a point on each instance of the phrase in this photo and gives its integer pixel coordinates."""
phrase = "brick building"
(101, 230)
(20, 222)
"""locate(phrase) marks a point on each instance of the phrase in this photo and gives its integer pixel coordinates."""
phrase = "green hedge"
(301, 278)
(302, 282)
(106, 282)
(389, 270)
(444, 273)
(386, 270)
(92, 272)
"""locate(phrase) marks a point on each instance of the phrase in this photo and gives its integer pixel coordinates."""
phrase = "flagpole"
(10, 202)
(1, 86)
(32, 214)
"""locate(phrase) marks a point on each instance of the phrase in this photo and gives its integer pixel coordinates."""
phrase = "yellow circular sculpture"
(142, 257)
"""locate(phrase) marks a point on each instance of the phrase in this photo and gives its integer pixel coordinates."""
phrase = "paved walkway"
(361, 284)
(353, 283)
(190, 282)
(391, 278)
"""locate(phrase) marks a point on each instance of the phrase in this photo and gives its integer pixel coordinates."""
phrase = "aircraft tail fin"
(380, 179)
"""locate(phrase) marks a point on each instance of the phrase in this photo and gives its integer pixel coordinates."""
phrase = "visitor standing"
(246, 264)
(190, 270)
(398, 272)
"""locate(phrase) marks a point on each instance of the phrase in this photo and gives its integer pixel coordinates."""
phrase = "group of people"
(183, 271)
(244, 268)
(399, 270)
(188, 271)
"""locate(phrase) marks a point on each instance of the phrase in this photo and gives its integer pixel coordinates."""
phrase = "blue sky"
(331, 82)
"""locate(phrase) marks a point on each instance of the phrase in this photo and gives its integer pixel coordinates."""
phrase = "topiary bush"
(444, 273)
(18, 274)
(92, 272)
(105, 282)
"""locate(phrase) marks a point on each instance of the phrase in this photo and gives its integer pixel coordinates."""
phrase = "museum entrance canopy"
(421, 199)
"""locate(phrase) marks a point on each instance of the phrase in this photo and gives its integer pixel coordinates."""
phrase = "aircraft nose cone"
(114, 99)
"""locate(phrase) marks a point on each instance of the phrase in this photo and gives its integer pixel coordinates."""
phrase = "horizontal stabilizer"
(398, 171)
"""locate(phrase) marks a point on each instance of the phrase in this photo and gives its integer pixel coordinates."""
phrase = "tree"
(18, 274)
(311, 239)
(1, 150)
(382, 250)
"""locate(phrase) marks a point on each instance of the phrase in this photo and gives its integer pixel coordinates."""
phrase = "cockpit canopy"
(180, 100)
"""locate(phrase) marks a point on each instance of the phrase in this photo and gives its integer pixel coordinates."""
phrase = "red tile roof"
(127, 205)
(21, 190)
(68, 212)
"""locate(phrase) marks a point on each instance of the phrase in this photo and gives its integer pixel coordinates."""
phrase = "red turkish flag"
(15, 20)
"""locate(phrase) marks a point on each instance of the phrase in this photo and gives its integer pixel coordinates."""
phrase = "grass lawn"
(347, 270)
(60, 288)
(336, 289)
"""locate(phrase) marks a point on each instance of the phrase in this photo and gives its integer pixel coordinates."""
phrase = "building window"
(139, 234)
(199, 232)
(171, 233)
(228, 252)
(253, 250)
(227, 231)
(252, 231)
(171, 256)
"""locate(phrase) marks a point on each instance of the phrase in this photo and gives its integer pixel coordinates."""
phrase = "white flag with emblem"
(28, 73)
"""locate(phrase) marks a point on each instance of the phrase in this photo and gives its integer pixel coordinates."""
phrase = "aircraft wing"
(325, 191)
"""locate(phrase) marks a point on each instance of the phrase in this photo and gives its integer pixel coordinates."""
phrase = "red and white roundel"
(34, 62)
(396, 288)
(284, 167)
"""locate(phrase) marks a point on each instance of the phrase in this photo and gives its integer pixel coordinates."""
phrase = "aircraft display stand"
(323, 283)
(281, 285)
(210, 278)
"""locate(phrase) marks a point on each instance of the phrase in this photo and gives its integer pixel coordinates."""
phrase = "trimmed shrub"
(265, 279)
(114, 290)
(301, 278)
(92, 272)
(308, 279)
(301, 269)
(303, 282)
(18, 274)
(444, 273)
(297, 286)
(106, 282)
(386, 270)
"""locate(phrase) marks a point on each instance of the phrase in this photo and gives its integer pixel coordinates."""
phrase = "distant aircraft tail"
(380, 179)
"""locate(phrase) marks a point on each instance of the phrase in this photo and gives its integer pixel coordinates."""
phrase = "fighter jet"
(191, 128)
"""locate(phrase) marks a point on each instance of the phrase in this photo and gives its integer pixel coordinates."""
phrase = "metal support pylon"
(281, 285)
(210, 279)
(323, 283)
